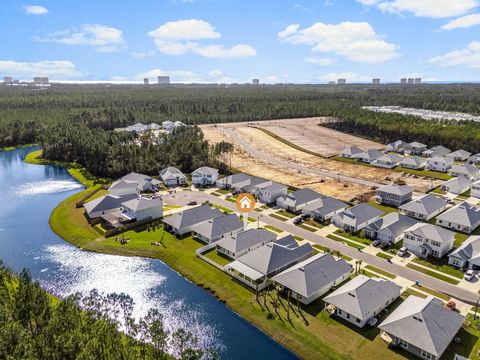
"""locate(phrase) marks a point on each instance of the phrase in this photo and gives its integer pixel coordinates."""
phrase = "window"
(348, 316)
(455, 262)
(403, 343)
(426, 355)
(435, 253)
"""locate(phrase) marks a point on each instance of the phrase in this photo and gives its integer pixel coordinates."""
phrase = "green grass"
(438, 190)
(459, 239)
(380, 271)
(220, 259)
(306, 227)
(432, 292)
(410, 292)
(464, 196)
(349, 243)
(383, 255)
(214, 193)
(298, 238)
(278, 217)
(231, 199)
(440, 265)
(427, 173)
(266, 207)
(273, 228)
(311, 222)
(223, 209)
(356, 238)
(433, 274)
(223, 191)
(285, 214)
(385, 208)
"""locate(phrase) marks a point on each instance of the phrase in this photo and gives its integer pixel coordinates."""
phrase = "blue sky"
(234, 41)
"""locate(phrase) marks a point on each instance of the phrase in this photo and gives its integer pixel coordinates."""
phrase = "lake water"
(28, 194)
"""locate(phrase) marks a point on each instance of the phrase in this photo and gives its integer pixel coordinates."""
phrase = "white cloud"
(349, 76)
(55, 69)
(357, 41)
(103, 38)
(185, 36)
(468, 57)
(215, 73)
(35, 10)
(142, 54)
(425, 8)
(463, 22)
(319, 61)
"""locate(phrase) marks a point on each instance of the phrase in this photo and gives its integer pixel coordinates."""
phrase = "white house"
(439, 163)
(269, 192)
(436, 151)
(463, 217)
(124, 188)
(183, 222)
(351, 151)
(413, 162)
(145, 182)
(475, 190)
(424, 240)
(466, 255)
(388, 161)
(459, 155)
(397, 146)
(394, 195)
(457, 185)
(466, 171)
(368, 156)
(217, 228)
(424, 208)
(171, 176)
(204, 176)
(390, 228)
(297, 200)
(243, 242)
(324, 209)
(356, 218)
(142, 208)
(415, 148)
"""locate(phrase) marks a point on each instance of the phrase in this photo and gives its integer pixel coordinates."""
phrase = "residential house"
(439, 163)
(269, 192)
(413, 162)
(397, 146)
(145, 182)
(463, 217)
(388, 161)
(171, 176)
(466, 171)
(124, 188)
(256, 266)
(204, 176)
(142, 208)
(467, 255)
(254, 184)
(415, 148)
(423, 327)
(474, 159)
(357, 217)
(311, 278)
(390, 228)
(297, 200)
(183, 222)
(234, 182)
(243, 242)
(425, 240)
(394, 195)
(217, 228)
(324, 208)
(436, 151)
(457, 185)
(425, 208)
(368, 156)
(362, 298)
(351, 151)
(104, 205)
(459, 155)
(475, 190)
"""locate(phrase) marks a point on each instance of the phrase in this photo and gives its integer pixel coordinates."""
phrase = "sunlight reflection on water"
(46, 187)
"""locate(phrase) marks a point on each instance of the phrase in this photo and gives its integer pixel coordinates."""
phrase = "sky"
(227, 41)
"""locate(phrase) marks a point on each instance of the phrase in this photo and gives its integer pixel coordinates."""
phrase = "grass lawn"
(214, 193)
(433, 274)
(383, 255)
(220, 259)
(298, 238)
(427, 173)
(222, 208)
(306, 227)
(385, 208)
(440, 265)
(459, 239)
(380, 271)
(278, 217)
(265, 207)
(349, 243)
(432, 292)
(231, 199)
(464, 196)
(438, 190)
(410, 292)
(316, 224)
(273, 228)
(285, 214)
(223, 191)
(353, 237)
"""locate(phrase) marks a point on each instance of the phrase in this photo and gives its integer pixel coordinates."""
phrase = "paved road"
(182, 197)
(292, 165)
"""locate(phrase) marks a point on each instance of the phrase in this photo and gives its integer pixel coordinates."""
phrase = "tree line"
(33, 325)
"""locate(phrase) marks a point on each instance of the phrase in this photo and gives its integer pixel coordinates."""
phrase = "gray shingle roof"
(325, 205)
(352, 150)
(142, 203)
(440, 159)
(439, 150)
(254, 183)
(302, 196)
(400, 190)
(432, 232)
(106, 203)
(123, 184)
(171, 173)
(313, 274)
(359, 214)
(362, 295)
(469, 250)
(246, 239)
(462, 154)
(205, 170)
(424, 323)
(235, 179)
(412, 161)
(394, 223)
(369, 155)
(192, 216)
(462, 214)
(426, 205)
(218, 226)
(457, 185)
(464, 169)
(416, 144)
(141, 179)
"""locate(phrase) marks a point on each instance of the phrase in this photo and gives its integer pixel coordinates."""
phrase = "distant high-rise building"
(403, 81)
(341, 81)
(376, 81)
(7, 79)
(40, 80)
(145, 81)
(163, 80)
(418, 80)
(411, 80)
(255, 81)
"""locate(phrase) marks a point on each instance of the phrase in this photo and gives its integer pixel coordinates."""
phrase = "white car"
(469, 275)
(402, 251)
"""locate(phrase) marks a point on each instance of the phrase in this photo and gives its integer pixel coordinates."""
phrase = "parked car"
(305, 216)
(193, 202)
(297, 220)
(469, 275)
(376, 243)
(402, 252)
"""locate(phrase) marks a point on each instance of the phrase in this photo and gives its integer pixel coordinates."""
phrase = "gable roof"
(412, 160)
(465, 169)
(394, 223)
(462, 214)
(246, 239)
(192, 216)
(462, 154)
(301, 196)
(469, 250)
(325, 205)
(141, 179)
(393, 158)
(440, 159)
(359, 214)
(424, 323)
(272, 186)
(254, 183)
(218, 226)
(369, 155)
(143, 203)
(426, 205)
(171, 173)
(123, 184)
(400, 190)
(235, 179)
(352, 150)
(432, 232)
(205, 171)
(438, 150)
(416, 144)
(313, 274)
(362, 295)
(106, 203)
(457, 185)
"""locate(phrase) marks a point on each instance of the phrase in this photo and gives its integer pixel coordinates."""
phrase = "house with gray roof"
(143, 208)
(457, 185)
(269, 192)
(311, 278)
(474, 159)
(104, 205)
(388, 161)
(475, 190)
(413, 162)
(467, 171)
(269, 260)
(234, 182)
(425, 240)
(324, 208)
(171, 176)
(415, 148)
(356, 218)
(467, 255)
(297, 200)
(368, 156)
(390, 228)
(439, 163)
(397, 146)
(217, 228)
(424, 208)
(243, 242)
(362, 298)
(394, 195)
(436, 151)
(459, 155)
(124, 188)
(423, 327)
(254, 184)
(183, 222)
(351, 151)
(145, 182)
(204, 176)
(463, 217)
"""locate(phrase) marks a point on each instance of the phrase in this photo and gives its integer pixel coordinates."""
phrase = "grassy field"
(427, 173)
(348, 242)
(380, 271)
(440, 265)
(385, 208)
(285, 214)
(356, 238)
(433, 274)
